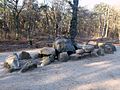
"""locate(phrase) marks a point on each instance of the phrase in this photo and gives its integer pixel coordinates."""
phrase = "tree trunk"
(16, 22)
(73, 24)
(17, 27)
(100, 26)
(107, 25)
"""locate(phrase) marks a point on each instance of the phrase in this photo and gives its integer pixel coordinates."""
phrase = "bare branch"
(11, 2)
(22, 7)
(70, 4)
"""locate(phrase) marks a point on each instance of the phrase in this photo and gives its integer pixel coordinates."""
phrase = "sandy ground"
(98, 73)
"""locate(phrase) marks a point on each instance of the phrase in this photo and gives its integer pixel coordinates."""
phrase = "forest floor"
(14, 45)
(91, 73)
(38, 42)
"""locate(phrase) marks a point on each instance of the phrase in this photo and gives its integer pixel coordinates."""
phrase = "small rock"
(75, 57)
(63, 57)
(80, 51)
(95, 52)
(100, 44)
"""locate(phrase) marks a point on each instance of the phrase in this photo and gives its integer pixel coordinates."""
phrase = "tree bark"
(107, 26)
(73, 23)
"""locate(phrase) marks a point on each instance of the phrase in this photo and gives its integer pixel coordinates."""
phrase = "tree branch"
(71, 4)
(22, 7)
(11, 2)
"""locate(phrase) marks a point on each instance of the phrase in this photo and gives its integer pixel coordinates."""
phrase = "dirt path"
(100, 73)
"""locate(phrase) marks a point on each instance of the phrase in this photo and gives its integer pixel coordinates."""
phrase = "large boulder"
(12, 63)
(63, 44)
(113, 48)
(75, 56)
(46, 60)
(24, 55)
(88, 48)
(108, 49)
(94, 43)
(95, 52)
(78, 45)
(47, 51)
(63, 57)
(101, 51)
(27, 65)
(111, 45)
(36, 56)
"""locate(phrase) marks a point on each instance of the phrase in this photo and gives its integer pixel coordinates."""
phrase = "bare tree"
(16, 10)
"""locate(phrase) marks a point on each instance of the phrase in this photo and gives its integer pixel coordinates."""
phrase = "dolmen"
(63, 50)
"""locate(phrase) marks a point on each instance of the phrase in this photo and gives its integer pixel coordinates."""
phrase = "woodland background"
(41, 23)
